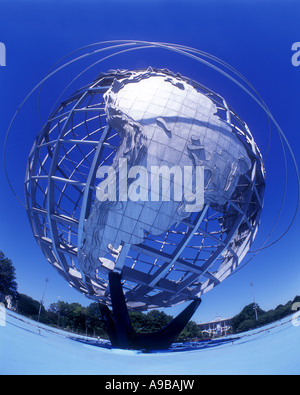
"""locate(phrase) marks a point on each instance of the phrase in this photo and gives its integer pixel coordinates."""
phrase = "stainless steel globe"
(165, 252)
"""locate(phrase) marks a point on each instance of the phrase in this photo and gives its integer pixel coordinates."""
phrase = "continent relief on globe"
(162, 121)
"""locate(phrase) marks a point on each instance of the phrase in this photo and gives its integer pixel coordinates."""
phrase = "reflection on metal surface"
(165, 253)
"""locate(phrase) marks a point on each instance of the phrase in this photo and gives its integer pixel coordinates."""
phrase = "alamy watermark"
(296, 55)
(159, 183)
(295, 321)
(2, 315)
(2, 54)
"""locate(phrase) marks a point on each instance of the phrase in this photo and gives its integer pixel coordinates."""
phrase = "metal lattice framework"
(176, 266)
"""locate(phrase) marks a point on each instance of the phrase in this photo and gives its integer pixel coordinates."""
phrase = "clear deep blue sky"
(253, 36)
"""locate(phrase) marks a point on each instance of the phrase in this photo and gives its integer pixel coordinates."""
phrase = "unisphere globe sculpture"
(166, 250)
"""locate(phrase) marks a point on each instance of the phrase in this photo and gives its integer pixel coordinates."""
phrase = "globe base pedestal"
(119, 328)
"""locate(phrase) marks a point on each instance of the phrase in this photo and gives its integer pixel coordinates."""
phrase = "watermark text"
(2, 315)
(296, 307)
(296, 55)
(158, 183)
(2, 54)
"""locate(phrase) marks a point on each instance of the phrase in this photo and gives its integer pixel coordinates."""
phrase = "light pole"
(42, 300)
(255, 306)
(58, 298)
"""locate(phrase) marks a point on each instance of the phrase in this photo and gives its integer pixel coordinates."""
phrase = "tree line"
(246, 319)
(74, 317)
(87, 320)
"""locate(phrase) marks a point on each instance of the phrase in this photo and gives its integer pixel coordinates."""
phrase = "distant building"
(219, 326)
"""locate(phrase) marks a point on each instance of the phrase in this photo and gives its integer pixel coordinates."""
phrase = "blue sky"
(253, 36)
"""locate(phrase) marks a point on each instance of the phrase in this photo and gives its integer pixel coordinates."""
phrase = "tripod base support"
(119, 328)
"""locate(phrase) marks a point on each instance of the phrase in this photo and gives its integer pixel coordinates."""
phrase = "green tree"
(8, 284)
(191, 331)
(28, 306)
(296, 299)
(245, 320)
(76, 317)
(138, 321)
(94, 322)
(59, 314)
(156, 320)
(153, 321)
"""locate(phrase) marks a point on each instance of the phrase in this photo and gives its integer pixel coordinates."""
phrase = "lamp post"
(255, 306)
(42, 300)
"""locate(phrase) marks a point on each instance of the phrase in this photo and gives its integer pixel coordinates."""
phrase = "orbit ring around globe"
(140, 120)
